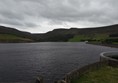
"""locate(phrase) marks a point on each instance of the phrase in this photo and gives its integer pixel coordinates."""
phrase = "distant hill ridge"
(61, 34)
(13, 31)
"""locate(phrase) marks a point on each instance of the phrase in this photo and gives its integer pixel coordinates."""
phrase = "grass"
(94, 37)
(102, 75)
(12, 38)
(79, 38)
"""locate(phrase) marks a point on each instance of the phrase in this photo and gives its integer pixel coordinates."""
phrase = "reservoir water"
(26, 61)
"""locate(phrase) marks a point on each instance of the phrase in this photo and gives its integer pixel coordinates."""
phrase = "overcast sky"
(39, 16)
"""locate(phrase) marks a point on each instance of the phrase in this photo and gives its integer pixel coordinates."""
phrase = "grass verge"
(103, 75)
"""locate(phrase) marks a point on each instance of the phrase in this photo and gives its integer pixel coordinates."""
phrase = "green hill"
(7, 38)
(94, 37)
(105, 34)
(13, 35)
(98, 34)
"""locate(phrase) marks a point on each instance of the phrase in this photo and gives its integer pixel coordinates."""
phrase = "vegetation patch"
(92, 37)
(103, 75)
(13, 38)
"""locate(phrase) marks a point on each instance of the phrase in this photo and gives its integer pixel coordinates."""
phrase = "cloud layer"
(45, 15)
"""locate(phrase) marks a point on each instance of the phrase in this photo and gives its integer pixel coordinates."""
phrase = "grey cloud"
(30, 24)
(11, 22)
(33, 13)
(11, 15)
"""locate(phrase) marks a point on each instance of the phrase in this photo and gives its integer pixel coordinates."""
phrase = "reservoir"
(51, 60)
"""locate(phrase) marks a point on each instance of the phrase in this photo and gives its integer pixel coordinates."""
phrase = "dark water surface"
(25, 61)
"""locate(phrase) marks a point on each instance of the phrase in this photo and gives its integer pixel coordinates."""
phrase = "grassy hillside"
(13, 38)
(8, 34)
(106, 34)
(94, 37)
(98, 34)
(76, 34)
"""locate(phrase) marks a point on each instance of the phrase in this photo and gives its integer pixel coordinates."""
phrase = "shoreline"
(108, 45)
